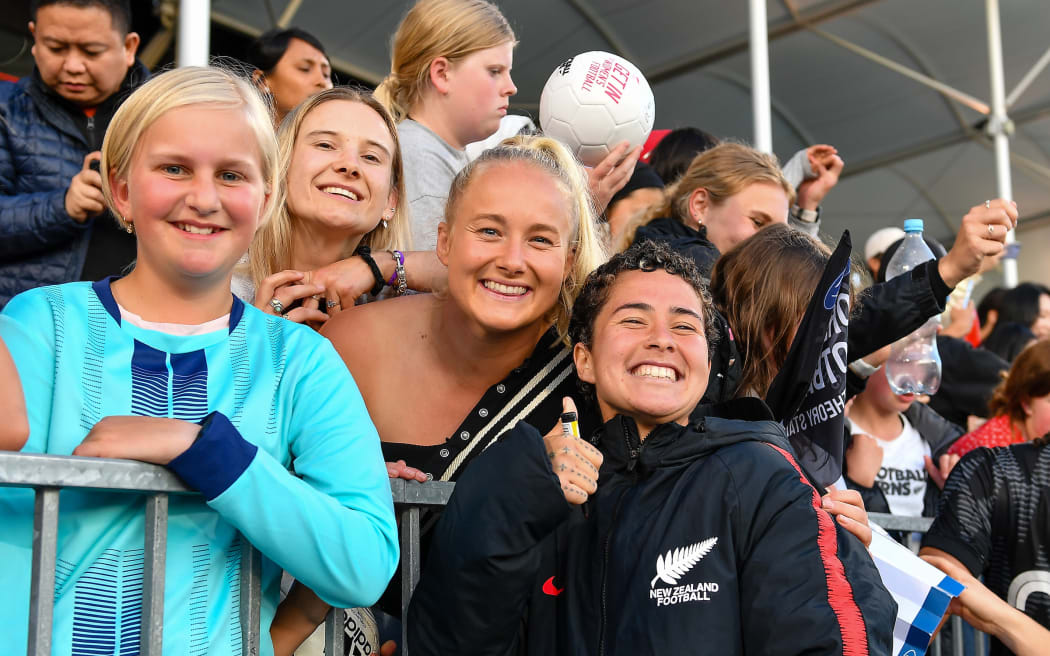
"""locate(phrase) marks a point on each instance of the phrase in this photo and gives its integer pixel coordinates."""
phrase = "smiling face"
(507, 248)
(341, 172)
(479, 89)
(741, 215)
(194, 192)
(302, 71)
(648, 357)
(79, 52)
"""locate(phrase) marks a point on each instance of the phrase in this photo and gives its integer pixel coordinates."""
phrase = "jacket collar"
(66, 115)
(673, 227)
(670, 445)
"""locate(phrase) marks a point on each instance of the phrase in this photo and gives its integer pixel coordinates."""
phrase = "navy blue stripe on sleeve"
(216, 458)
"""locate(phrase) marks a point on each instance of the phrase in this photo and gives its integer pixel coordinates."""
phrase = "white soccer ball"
(594, 101)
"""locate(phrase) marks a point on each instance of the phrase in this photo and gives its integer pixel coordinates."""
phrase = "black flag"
(808, 395)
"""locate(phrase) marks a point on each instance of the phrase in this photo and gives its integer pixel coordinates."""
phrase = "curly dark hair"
(646, 255)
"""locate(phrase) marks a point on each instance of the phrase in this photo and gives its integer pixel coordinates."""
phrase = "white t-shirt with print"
(902, 475)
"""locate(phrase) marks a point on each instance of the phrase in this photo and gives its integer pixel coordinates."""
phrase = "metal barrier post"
(251, 590)
(957, 636)
(334, 633)
(409, 567)
(152, 641)
(42, 590)
(414, 496)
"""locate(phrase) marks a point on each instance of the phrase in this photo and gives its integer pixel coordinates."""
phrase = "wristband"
(399, 277)
(805, 216)
(366, 254)
(862, 368)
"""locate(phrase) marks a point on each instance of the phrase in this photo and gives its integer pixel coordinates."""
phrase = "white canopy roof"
(909, 150)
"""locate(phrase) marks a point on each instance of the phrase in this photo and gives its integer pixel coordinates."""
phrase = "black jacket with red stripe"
(704, 539)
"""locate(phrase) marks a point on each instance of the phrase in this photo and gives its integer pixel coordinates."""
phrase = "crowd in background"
(407, 306)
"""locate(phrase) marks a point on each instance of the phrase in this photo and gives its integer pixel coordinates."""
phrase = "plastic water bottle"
(914, 366)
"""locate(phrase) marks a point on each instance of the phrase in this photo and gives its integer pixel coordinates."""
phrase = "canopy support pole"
(192, 43)
(1000, 127)
(763, 131)
(1028, 78)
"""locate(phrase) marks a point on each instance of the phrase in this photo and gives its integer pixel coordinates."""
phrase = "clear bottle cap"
(912, 225)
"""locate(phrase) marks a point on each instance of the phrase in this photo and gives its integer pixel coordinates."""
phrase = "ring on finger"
(331, 304)
(316, 297)
(987, 204)
(278, 307)
(991, 229)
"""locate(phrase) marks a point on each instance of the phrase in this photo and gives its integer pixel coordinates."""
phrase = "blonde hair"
(555, 159)
(452, 29)
(270, 252)
(185, 87)
(723, 171)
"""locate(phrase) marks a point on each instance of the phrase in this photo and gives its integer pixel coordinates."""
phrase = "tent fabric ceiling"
(821, 92)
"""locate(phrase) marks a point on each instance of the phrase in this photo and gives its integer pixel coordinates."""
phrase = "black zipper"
(634, 443)
(605, 570)
(634, 448)
(91, 131)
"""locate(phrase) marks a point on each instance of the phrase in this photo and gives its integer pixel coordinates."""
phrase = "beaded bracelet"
(399, 273)
(366, 254)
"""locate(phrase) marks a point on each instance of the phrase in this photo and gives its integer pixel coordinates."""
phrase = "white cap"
(881, 240)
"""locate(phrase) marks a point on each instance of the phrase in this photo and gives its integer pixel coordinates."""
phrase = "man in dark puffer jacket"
(694, 537)
(52, 225)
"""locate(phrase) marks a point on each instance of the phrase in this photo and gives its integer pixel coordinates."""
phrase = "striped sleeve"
(806, 585)
(963, 526)
(331, 524)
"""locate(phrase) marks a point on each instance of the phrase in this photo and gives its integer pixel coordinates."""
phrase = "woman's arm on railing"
(985, 611)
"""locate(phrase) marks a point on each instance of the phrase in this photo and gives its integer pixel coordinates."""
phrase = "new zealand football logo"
(675, 564)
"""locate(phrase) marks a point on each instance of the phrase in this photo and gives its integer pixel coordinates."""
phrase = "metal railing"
(48, 474)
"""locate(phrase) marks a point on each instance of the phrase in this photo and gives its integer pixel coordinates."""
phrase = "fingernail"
(826, 503)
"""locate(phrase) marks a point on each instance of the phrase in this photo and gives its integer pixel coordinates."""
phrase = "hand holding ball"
(594, 101)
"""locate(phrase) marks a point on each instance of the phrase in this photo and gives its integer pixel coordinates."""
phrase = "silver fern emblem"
(677, 562)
